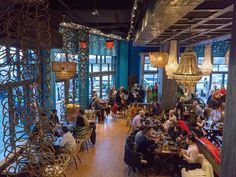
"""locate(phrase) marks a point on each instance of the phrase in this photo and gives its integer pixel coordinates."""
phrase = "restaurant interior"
(121, 88)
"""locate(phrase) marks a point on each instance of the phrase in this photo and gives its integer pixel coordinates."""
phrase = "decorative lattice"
(83, 71)
(25, 84)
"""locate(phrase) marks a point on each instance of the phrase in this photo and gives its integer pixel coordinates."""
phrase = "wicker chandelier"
(64, 70)
(172, 64)
(206, 66)
(188, 72)
(158, 59)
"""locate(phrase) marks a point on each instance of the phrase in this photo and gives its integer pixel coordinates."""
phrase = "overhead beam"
(221, 38)
(206, 32)
(219, 13)
(162, 15)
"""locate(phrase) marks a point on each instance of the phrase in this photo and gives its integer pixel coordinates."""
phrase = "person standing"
(180, 108)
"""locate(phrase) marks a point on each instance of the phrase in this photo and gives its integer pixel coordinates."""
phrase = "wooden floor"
(105, 159)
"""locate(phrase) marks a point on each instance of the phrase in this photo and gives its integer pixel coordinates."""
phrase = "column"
(167, 87)
(228, 155)
(83, 68)
(46, 82)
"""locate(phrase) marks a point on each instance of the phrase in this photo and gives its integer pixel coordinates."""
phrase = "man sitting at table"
(138, 119)
(144, 145)
(68, 141)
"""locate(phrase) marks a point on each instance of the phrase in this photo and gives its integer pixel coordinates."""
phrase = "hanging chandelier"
(227, 57)
(64, 70)
(172, 64)
(188, 72)
(158, 59)
(206, 66)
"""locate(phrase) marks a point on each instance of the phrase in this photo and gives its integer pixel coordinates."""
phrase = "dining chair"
(79, 143)
(87, 140)
(58, 167)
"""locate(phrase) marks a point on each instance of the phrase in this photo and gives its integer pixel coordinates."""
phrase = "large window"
(216, 80)
(102, 74)
(150, 73)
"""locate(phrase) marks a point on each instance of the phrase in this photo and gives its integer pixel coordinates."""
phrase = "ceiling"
(108, 16)
(210, 19)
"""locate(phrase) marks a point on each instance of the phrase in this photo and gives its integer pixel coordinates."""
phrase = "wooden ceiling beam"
(219, 13)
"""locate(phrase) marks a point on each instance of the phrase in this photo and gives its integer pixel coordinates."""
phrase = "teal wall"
(122, 64)
(135, 59)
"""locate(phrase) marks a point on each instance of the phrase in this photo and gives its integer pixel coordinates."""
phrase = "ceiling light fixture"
(132, 22)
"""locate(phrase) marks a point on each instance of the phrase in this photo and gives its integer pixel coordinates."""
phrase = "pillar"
(83, 68)
(46, 82)
(167, 87)
(228, 155)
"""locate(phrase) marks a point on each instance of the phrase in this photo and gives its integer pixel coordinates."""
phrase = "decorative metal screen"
(25, 86)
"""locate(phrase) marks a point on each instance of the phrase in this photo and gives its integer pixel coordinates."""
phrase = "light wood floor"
(105, 159)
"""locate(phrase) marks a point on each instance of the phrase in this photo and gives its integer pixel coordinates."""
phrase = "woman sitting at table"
(68, 141)
(190, 156)
(82, 125)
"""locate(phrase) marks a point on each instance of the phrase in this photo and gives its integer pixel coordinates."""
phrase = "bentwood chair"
(58, 167)
(87, 140)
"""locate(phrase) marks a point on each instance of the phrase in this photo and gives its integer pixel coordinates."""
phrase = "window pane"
(112, 80)
(104, 87)
(226, 80)
(200, 60)
(150, 79)
(146, 59)
(104, 67)
(92, 58)
(218, 60)
(215, 67)
(108, 59)
(223, 68)
(96, 67)
(96, 85)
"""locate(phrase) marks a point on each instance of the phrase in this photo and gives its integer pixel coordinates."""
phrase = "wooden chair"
(58, 167)
(87, 140)
(79, 143)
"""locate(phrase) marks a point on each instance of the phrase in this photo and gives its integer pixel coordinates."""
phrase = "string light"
(132, 19)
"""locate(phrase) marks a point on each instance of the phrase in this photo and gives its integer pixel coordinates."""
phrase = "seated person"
(54, 117)
(182, 139)
(137, 121)
(172, 116)
(174, 132)
(144, 145)
(156, 108)
(197, 124)
(82, 125)
(96, 103)
(68, 141)
(197, 110)
(134, 110)
(190, 156)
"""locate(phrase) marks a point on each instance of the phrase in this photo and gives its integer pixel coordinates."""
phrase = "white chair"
(205, 171)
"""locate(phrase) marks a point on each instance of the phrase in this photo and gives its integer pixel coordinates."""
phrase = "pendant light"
(172, 64)
(158, 59)
(188, 72)
(206, 66)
